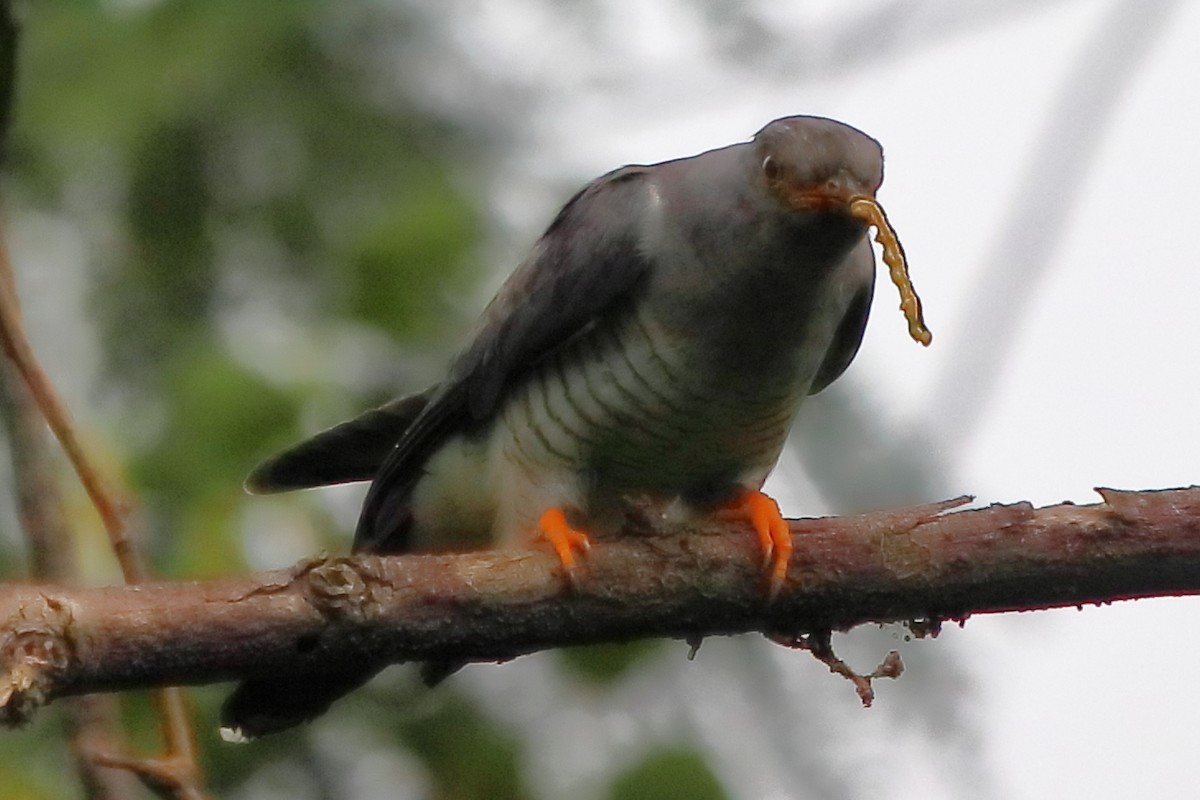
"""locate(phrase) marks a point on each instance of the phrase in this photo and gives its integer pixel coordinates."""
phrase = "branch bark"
(918, 565)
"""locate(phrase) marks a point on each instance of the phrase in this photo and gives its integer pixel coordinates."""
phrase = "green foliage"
(668, 775)
(402, 261)
(605, 664)
(468, 758)
(215, 122)
(218, 414)
(31, 762)
(167, 281)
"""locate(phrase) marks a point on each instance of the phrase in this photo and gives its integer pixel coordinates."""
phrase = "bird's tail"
(351, 451)
(261, 706)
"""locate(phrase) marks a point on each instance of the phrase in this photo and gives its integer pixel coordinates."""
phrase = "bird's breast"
(655, 401)
(635, 408)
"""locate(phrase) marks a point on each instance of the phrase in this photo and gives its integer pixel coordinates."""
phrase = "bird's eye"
(771, 168)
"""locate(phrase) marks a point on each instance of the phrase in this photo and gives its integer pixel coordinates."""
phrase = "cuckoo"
(656, 343)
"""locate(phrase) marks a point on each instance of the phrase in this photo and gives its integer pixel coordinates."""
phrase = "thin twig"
(177, 770)
(20, 353)
(92, 720)
(820, 645)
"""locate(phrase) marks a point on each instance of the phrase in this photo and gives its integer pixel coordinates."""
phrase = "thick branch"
(916, 565)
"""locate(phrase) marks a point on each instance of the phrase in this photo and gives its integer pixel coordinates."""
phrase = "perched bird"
(656, 343)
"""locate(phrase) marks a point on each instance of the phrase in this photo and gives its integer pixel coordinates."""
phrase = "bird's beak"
(842, 194)
(831, 195)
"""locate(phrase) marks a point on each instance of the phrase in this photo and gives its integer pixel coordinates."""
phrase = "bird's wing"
(587, 266)
(849, 333)
(351, 451)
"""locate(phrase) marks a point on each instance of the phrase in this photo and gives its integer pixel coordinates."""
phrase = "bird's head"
(817, 165)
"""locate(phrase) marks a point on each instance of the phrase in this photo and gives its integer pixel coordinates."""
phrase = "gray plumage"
(657, 342)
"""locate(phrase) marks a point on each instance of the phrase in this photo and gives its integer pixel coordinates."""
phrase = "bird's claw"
(774, 536)
(554, 528)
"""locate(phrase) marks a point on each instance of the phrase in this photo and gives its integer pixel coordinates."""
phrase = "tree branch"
(918, 565)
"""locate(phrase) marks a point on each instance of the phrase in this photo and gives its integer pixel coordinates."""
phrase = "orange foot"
(554, 528)
(774, 536)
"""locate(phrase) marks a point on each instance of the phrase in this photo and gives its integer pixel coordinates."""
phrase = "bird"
(656, 343)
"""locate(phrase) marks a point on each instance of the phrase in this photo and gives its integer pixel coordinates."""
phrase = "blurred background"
(236, 223)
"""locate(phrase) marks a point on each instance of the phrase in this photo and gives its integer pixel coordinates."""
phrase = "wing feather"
(587, 265)
(849, 334)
